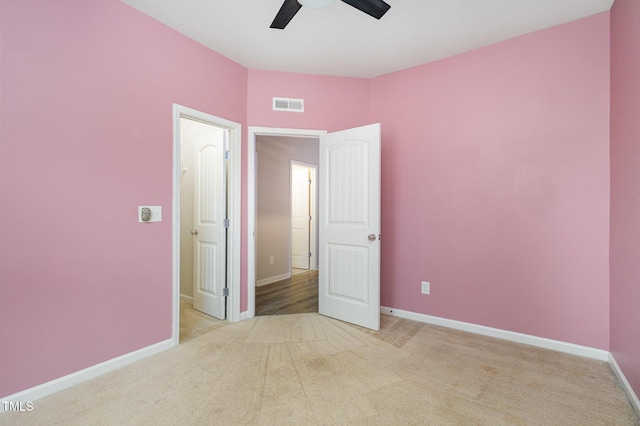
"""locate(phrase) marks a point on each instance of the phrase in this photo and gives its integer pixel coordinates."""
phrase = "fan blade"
(375, 8)
(287, 11)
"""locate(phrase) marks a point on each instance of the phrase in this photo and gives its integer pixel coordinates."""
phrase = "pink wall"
(331, 103)
(625, 191)
(86, 137)
(495, 176)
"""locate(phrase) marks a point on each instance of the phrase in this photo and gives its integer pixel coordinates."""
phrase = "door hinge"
(225, 292)
(309, 181)
(225, 223)
(226, 155)
(309, 254)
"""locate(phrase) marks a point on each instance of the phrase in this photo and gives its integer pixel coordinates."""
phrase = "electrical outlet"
(426, 287)
(271, 260)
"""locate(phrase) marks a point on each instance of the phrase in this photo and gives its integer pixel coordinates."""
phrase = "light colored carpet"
(309, 369)
(195, 323)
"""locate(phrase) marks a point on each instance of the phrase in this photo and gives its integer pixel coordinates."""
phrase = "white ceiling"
(340, 40)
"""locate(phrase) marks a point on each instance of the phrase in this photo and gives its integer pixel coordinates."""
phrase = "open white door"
(209, 225)
(349, 279)
(300, 216)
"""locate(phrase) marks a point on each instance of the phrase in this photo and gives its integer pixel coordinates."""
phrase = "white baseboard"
(527, 339)
(633, 398)
(89, 373)
(185, 298)
(244, 315)
(271, 280)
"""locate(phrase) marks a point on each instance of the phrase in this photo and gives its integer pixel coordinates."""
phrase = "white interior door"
(349, 280)
(209, 224)
(300, 216)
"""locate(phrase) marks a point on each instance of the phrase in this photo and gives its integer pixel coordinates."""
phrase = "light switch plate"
(156, 214)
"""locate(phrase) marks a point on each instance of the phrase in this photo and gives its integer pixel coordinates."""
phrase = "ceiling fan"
(375, 8)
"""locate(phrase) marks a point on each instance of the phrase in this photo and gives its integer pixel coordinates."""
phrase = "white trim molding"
(185, 298)
(527, 339)
(65, 382)
(274, 279)
(631, 395)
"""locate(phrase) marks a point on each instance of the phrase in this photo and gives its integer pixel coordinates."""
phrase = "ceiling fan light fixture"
(315, 4)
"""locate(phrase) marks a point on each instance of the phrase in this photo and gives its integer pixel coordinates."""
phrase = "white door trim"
(234, 183)
(251, 207)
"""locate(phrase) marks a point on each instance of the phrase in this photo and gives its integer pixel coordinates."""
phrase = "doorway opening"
(206, 215)
(349, 222)
(272, 152)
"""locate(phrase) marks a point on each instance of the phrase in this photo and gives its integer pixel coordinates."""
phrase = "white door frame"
(234, 182)
(313, 212)
(251, 210)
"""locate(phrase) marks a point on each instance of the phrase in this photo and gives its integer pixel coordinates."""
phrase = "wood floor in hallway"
(295, 295)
